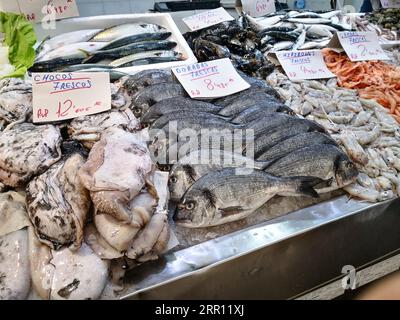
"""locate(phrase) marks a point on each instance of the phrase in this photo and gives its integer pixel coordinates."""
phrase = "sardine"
(223, 196)
(64, 39)
(125, 61)
(133, 38)
(130, 49)
(80, 48)
(122, 30)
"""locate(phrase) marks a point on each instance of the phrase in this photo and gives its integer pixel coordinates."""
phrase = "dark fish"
(228, 195)
(283, 36)
(257, 111)
(193, 120)
(150, 60)
(134, 38)
(198, 163)
(324, 161)
(175, 105)
(294, 143)
(50, 65)
(133, 83)
(155, 93)
(130, 49)
(247, 100)
(279, 129)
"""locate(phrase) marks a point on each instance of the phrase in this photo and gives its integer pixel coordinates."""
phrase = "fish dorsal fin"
(210, 197)
(188, 169)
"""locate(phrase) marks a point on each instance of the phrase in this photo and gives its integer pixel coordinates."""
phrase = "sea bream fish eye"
(173, 179)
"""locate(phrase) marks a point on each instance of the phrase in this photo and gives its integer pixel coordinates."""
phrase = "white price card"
(359, 46)
(9, 6)
(207, 19)
(257, 8)
(302, 65)
(390, 3)
(38, 10)
(62, 96)
(211, 79)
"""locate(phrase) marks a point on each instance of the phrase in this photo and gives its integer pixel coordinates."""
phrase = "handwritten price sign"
(258, 8)
(207, 19)
(307, 64)
(212, 79)
(361, 46)
(62, 96)
(390, 3)
(36, 10)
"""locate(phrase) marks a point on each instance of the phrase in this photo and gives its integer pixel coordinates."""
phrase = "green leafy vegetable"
(20, 37)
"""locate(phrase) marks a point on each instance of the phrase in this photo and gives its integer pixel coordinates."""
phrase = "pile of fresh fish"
(387, 32)
(363, 128)
(125, 45)
(386, 18)
(394, 55)
(287, 156)
(231, 40)
(72, 213)
(295, 30)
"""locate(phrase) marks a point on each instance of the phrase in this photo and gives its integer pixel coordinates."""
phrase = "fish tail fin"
(302, 186)
(90, 57)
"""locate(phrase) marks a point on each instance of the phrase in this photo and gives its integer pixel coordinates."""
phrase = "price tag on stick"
(212, 79)
(62, 96)
(301, 65)
(36, 10)
(207, 19)
(390, 3)
(359, 46)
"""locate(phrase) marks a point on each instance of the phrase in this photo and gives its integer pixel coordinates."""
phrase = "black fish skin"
(177, 104)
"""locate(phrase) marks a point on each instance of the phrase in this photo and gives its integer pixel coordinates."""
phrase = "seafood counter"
(110, 204)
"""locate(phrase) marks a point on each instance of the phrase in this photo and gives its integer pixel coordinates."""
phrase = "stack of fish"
(293, 156)
(386, 27)
(231, 40)
(363, 128)
(125, 45)
(295, 30)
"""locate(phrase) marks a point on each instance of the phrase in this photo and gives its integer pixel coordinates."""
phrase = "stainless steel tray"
(278, 259)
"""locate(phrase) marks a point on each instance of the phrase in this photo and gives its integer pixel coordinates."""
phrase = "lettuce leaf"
(20, 37)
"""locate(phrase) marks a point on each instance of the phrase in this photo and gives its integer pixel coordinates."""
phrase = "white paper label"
(9, 6)
(361, 46)
(207, 19)
(258, 8)
(390, 3)
(211, 79)
(38, 10)
(62, 96)
(307, 64)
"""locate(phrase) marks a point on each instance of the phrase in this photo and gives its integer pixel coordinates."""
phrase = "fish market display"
(230, 40)
(386, 34)
(88, 192)
(375, 80)
(295, 30)
(246, 40)
(120, 46)
(385, 22)
(258, 109)
(363, 129)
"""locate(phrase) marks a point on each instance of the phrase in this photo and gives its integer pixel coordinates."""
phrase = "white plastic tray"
(162, 19)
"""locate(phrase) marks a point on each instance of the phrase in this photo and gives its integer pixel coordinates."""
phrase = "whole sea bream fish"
(223, 196)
